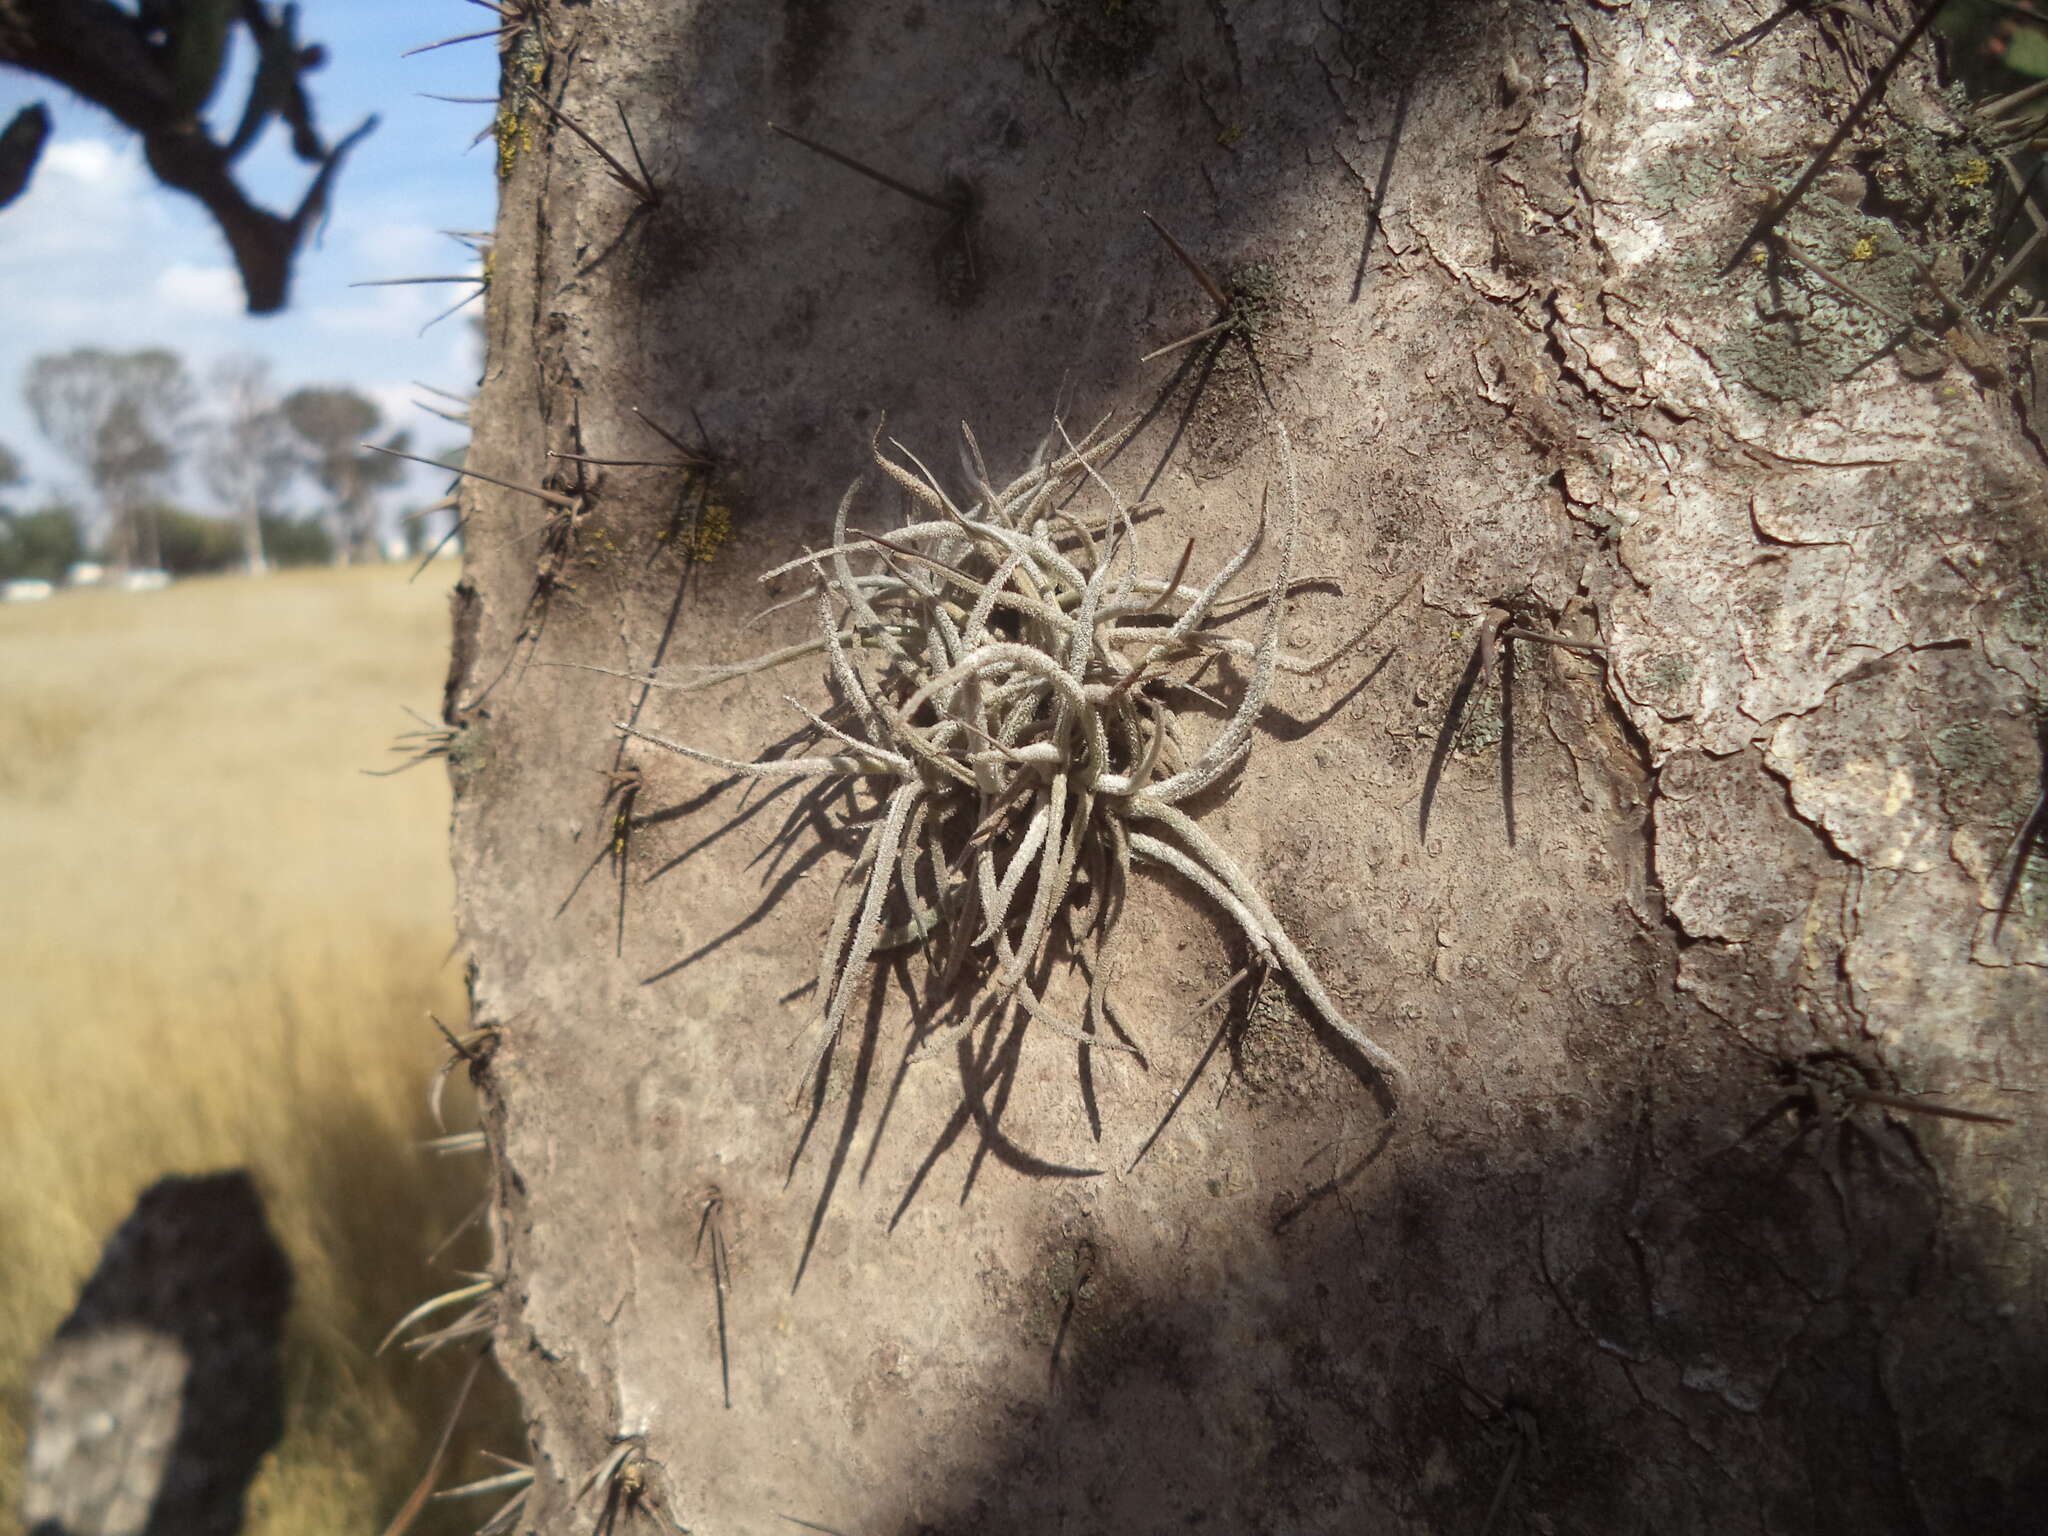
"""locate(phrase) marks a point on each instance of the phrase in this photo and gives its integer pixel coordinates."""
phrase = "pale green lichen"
(1810, 334)
(1254, 295)
(1927, 201)
(1482, 728)
(1662, 683)
(1977, 774)
(2025, 620)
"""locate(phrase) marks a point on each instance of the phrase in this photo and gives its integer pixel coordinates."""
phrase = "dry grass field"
(219, 941)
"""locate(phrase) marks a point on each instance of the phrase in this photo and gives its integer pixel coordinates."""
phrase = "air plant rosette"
(1007, 685)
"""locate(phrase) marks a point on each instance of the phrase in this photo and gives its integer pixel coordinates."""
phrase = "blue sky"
(96, 254)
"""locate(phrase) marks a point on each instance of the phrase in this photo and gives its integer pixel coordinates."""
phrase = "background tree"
(1689, 935)
(118, 416)
(10, 468)
(192, 544)
(296, 541)
(249, 452)
(155, 69)
(131, 460)
(333, 424)
(42, 544)
(421, 536)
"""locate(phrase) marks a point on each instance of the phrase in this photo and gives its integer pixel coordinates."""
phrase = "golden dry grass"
(219, 941)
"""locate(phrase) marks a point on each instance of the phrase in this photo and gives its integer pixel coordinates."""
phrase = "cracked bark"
(1634, 1235)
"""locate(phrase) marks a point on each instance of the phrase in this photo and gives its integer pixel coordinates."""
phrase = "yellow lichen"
(1974, 173)
(514, 131)
(1864, 249)
(514, 127)
(711, 533)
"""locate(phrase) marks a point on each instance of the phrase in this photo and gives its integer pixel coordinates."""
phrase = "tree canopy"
(333, 422)
(119, 417)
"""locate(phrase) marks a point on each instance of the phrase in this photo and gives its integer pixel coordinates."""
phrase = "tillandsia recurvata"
(1006, 678)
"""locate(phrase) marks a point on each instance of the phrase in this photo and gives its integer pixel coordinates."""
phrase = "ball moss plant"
(1007, 682)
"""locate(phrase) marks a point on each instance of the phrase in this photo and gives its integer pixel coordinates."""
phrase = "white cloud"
(389, 248)
(461, 354)
(92, 163)
(400, 310)
(185, 289)
(395, 400)
(81, 206)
